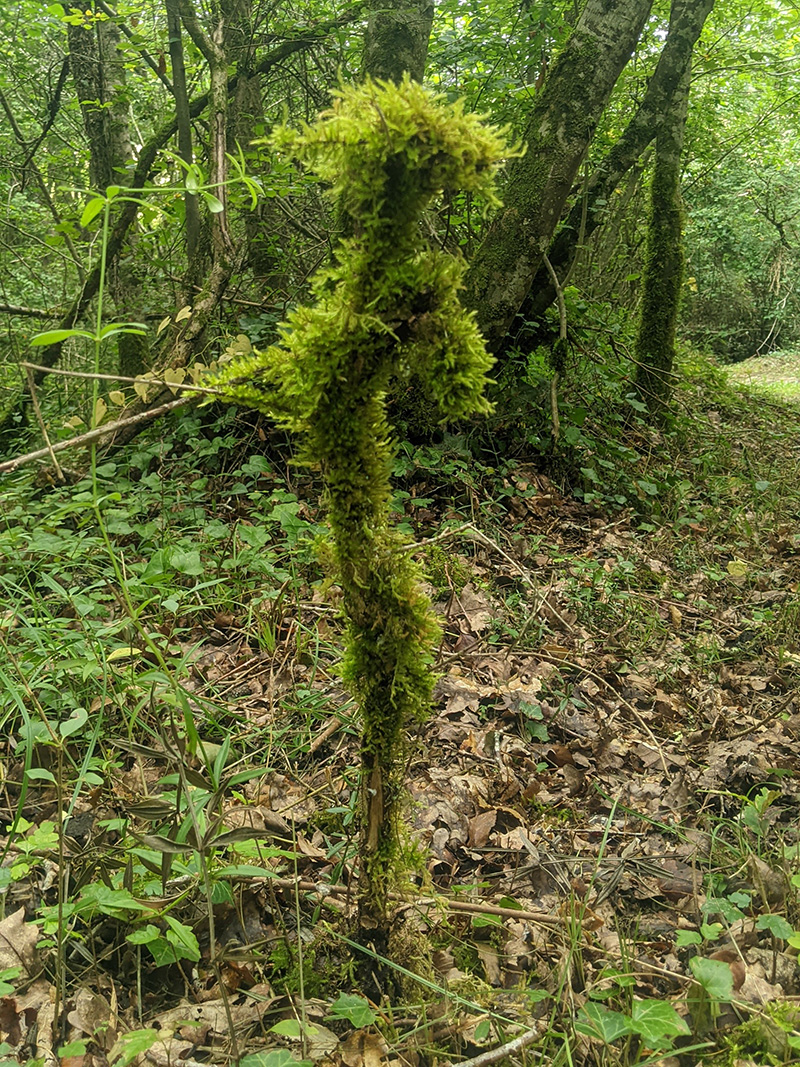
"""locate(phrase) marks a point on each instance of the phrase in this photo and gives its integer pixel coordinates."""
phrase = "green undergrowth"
(208, 546)
(776, 375)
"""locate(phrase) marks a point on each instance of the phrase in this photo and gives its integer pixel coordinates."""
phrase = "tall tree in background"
(98, 70)
(396, 40)
(590, 210)
(663, 268)
(561, 127)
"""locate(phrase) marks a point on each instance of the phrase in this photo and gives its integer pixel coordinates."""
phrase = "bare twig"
(33, 313)
(42, 426)
(186, 387)
(94, 435)
(502, 1052)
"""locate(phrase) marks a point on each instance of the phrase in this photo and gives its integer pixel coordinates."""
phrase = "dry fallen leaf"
(18, 943)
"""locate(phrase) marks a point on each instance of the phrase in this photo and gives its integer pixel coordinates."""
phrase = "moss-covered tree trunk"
(386, 308)
(687, 18)
(563, 121)
(663, 269)
(396, 41)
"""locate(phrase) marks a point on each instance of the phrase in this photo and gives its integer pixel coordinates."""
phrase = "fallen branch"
(494, 1055)
(31, 313)
(94, 435)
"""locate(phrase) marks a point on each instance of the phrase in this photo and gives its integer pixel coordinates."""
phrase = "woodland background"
(602, 859)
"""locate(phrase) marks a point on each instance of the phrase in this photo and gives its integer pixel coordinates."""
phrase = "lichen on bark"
(386, 308)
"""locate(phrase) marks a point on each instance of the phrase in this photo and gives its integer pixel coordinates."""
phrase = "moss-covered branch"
(387, 308)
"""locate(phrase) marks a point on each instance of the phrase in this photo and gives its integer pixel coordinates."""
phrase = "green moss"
(445, 570)
(385, 309)
(661, 287)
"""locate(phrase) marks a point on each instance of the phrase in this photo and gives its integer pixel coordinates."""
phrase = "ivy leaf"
(597, 1021)
(353, 1008)
(714, 976)
(655, 1020)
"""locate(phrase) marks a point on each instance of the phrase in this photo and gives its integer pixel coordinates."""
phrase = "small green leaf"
(122, 327)
(714, 976)
(55, 337)
(92, 210)
(776, 924)
(144, 936)
(655, 1020)
(483, 1029)
(39, 774)
(292, 1028)
(711, 931)
(597, 1021)
(214, 205)
(353, 1008)
(486, 920)
(74, 723)
(74, 1048)
(183, 938)
(276, 1057)
(688, 937)
(131, 1045)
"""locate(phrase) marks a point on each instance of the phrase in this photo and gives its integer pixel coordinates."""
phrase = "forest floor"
(603, 805)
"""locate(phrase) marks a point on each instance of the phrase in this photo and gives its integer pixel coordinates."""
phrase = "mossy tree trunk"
(687, 18)
(396, 41)
(663, 269)
(386, 308)
(562, 124)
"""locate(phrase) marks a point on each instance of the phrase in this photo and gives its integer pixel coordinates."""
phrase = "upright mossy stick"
(386, 308)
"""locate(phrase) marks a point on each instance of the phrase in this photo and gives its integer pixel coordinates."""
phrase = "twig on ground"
(334, 725)
(494, 1055)
(42, 426)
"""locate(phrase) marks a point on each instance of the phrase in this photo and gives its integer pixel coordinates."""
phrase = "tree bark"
(183, 122)
(396, 41)
(687, 19)
(663, 269)
(214, 48)
(99, 75)
(562, 124)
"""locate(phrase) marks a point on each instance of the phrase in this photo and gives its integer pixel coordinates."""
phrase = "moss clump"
(386, 308)
(446, 571)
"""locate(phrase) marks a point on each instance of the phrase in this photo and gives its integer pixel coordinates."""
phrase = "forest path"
(777, 374)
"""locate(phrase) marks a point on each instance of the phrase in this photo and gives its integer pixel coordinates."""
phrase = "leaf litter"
(609, 724)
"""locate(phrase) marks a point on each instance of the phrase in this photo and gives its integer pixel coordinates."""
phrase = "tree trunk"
(396, 40)
(183, 121)
(663, 270)
(687, 19)
(563, 122)
(98, 71)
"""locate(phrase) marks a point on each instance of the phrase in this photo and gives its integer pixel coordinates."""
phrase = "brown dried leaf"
(18, 943)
